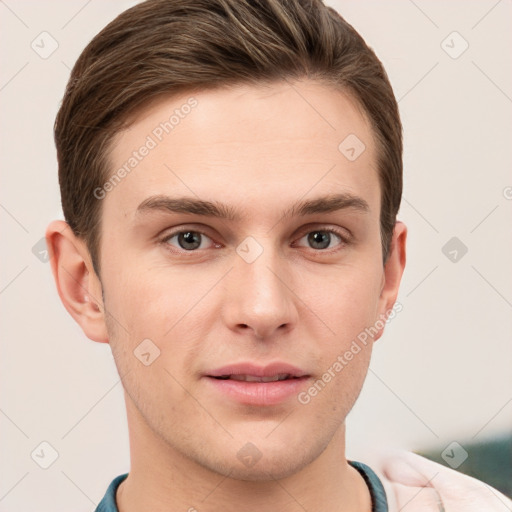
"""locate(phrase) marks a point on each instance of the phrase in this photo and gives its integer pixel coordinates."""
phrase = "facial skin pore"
(259, 151)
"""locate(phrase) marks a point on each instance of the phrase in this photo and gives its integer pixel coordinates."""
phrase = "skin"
(259, 150)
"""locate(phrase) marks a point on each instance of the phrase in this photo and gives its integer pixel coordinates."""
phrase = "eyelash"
(344, 240)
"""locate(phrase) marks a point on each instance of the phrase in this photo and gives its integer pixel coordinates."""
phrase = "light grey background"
(441, 373)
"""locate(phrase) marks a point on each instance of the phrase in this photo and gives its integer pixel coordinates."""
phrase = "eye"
(321, 239)
(190, 240)
(187, 240)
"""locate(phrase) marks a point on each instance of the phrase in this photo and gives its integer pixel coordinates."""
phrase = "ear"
(393, 271)
(78, 285)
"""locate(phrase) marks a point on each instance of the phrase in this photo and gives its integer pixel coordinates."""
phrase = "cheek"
(145, 303)
(152, 328)
(348, 306)
(149, 363)
(347, 301)
(333, 393)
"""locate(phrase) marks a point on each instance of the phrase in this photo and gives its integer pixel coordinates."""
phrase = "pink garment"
(416, 484)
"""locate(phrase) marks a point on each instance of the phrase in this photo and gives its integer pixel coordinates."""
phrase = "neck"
(162, 479)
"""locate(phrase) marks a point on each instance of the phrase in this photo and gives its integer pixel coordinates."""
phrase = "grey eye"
(187, 240)
(321, 239)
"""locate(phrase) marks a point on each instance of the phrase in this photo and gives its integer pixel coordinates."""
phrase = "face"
(259, 280)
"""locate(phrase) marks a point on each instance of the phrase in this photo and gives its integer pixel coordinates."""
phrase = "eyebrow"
(195, 206)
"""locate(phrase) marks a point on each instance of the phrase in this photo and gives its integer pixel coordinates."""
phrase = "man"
(230, 174)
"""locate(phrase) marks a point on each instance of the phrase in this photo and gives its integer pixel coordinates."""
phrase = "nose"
(259, 297)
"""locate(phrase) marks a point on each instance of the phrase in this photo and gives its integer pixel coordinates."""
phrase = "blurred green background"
(489, 461)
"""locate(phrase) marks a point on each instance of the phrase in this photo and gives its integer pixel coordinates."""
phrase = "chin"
(263, 467)
(261, 472)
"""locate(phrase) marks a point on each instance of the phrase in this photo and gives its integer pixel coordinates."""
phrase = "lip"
(258, 371)
(258, 393)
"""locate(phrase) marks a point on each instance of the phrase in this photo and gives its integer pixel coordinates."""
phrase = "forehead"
(247, 145)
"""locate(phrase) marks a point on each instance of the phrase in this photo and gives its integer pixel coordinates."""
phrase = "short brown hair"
(171, 46)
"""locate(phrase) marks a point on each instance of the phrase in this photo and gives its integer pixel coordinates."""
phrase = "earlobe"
(77, 284)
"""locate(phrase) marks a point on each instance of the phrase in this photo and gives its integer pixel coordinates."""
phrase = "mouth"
(255, 378)
(250, 384)
(252, 372)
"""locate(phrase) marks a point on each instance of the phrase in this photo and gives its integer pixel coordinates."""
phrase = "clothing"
(403, 479)
(379, 501)
(108, 503)
(415, 483)
(377, 492)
